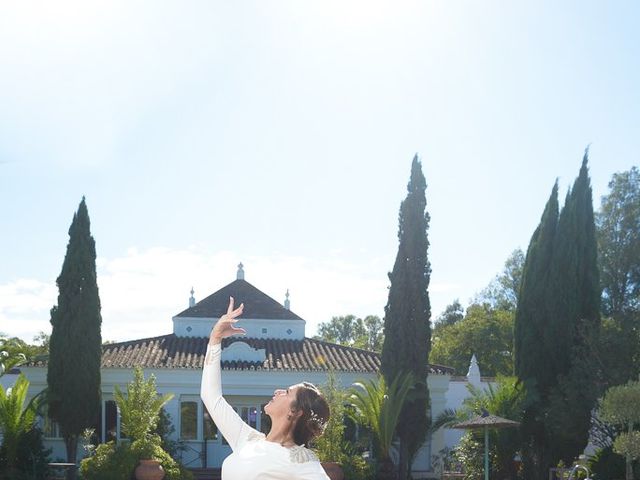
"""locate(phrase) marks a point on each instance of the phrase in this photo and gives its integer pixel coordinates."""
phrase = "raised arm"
(228, 421)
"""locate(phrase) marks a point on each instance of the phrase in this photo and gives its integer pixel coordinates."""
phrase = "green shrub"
(354, 466)
(470, 454)
(607, 465)
(166, 430)
(32, 457)
(140, 412)
(332, 445)
(118, 462)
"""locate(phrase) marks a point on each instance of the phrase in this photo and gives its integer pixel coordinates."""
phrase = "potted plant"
(139, 413)
(149, 467)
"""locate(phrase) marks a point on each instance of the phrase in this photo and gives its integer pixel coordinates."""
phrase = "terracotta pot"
(333, 470)
(149, 470)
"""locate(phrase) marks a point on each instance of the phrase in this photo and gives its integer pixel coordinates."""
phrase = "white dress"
(253, 457)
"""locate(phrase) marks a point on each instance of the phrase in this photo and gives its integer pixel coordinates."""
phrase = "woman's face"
(280, 404)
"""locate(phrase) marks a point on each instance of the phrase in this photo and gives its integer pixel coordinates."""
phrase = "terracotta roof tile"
(170, 351)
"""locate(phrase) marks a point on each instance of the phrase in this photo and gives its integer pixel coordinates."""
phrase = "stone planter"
(149, 470)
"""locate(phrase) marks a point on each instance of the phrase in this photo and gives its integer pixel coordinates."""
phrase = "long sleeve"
(225, 417)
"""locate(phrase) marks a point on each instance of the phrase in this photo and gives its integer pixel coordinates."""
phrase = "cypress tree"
(531, 314)
(407, 314)
(531, 326)
(73, 374)
(556, 330)
(575, 290)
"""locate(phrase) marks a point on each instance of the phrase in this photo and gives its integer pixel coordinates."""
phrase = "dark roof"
(256, 304)
(171, 351)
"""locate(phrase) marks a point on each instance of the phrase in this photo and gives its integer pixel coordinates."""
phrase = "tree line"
(562, 319)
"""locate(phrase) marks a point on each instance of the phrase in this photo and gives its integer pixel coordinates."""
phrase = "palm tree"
(11, 354)
(16, 418)
(504, 400)
(378, 408)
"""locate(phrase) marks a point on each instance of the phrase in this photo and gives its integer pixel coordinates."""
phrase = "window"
(188, 420)
(210, 428)
(250, 416)
(50, 429)
(264, 330)
(110, 420)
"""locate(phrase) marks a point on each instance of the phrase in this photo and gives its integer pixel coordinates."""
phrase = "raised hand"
(225, 327)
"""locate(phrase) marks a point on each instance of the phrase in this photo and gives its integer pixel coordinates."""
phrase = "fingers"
(239, 331)
(231, 313)
(230, 309)
(237, 312)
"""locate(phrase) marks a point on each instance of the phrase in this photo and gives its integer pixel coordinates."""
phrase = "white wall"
(456, 394)
(241, 386)
(7, 380)
(255, 327)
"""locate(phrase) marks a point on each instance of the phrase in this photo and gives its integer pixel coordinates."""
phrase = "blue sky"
(281, 134)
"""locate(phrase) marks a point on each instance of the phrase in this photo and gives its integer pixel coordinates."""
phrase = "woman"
(298, 414)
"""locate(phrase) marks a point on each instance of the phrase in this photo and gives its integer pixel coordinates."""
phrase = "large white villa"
(274, 353)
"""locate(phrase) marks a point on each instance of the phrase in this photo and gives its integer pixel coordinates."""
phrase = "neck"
(282, 433)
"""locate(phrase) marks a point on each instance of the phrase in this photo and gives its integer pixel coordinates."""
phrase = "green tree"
(14, 351)
(620, 407)
(618, 231)
(452, 313)
(618, 226)
(556, 330)
(73, 374)
(407, 316)
(16, 418)
(140, 413)
(574, 291)
(378, 407)
(345, 330)
(486, 329)
(505, 400)
(332, 445)
(374, 337)
(531, 320)
(11, 355)
(140, 408)
(502, 292)
(353, 331)
(485, 332)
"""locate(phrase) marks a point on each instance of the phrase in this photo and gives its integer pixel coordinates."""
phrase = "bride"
(298, 414)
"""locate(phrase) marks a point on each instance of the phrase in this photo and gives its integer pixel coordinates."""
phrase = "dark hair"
(315, 413)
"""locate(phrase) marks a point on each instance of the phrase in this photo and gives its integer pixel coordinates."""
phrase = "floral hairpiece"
(320, 423)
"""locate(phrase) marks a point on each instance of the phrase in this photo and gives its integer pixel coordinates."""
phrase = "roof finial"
(192, 300)
(240, 275)
(473, 375)
(287, 303)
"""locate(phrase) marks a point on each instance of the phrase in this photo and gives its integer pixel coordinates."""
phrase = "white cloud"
(24, 307)
(142, 290)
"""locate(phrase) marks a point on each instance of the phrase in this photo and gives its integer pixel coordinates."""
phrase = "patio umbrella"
(486, 421)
